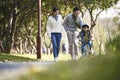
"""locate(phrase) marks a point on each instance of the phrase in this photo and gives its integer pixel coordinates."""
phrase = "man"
(71, 24)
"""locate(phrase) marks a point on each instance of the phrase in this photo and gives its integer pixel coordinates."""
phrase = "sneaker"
(92, 51)
(72, 57)
(55, 59)
(76, 57)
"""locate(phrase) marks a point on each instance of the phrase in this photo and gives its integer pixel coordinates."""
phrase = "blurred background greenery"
(19, 22)
(18, 31)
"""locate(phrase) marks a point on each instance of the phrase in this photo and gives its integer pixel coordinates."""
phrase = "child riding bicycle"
(86, 37)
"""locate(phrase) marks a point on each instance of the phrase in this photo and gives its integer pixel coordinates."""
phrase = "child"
(85, 36)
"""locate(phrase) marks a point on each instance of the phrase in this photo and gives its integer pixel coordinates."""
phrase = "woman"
(54, 30)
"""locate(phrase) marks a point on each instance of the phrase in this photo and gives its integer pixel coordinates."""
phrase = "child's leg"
(82, 48)
(90, 44)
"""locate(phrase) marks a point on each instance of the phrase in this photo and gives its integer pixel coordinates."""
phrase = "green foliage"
(116, 22)
(113, 45)
(26, 14)
(18, 19)
(116, 18)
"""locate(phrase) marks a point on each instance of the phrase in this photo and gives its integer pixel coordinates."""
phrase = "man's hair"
(76, 9)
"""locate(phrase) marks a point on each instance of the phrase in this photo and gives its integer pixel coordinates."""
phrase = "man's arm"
(65, 23)
(81, 22)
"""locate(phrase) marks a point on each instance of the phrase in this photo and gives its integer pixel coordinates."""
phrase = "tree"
(99, 5)
(13, 13)
(18, 19)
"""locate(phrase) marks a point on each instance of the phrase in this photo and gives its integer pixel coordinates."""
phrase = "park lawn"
(31, 57)
(14, 58)
(102, 67)
(46, 57)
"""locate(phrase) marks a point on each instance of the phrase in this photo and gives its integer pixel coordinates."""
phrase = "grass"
(29, 57)
(103, 67)
(15, 58)
(46, 57)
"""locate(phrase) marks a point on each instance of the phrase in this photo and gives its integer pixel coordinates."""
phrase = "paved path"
(15, 65)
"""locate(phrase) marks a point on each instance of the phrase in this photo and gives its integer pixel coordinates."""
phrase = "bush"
(113, 45)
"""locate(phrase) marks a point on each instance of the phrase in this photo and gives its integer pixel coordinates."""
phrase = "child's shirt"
(85, 36)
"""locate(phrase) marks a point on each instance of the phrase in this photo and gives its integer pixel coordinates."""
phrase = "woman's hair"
(55, 9)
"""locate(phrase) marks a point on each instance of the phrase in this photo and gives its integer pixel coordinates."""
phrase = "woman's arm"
(48, 27)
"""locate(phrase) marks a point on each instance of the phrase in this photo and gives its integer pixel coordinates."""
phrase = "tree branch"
(98, 15)
(27, 6)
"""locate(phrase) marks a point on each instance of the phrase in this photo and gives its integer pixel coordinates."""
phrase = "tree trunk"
(21, 46)
(11, 28)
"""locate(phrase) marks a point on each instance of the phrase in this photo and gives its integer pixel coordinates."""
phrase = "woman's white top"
(53, 25)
